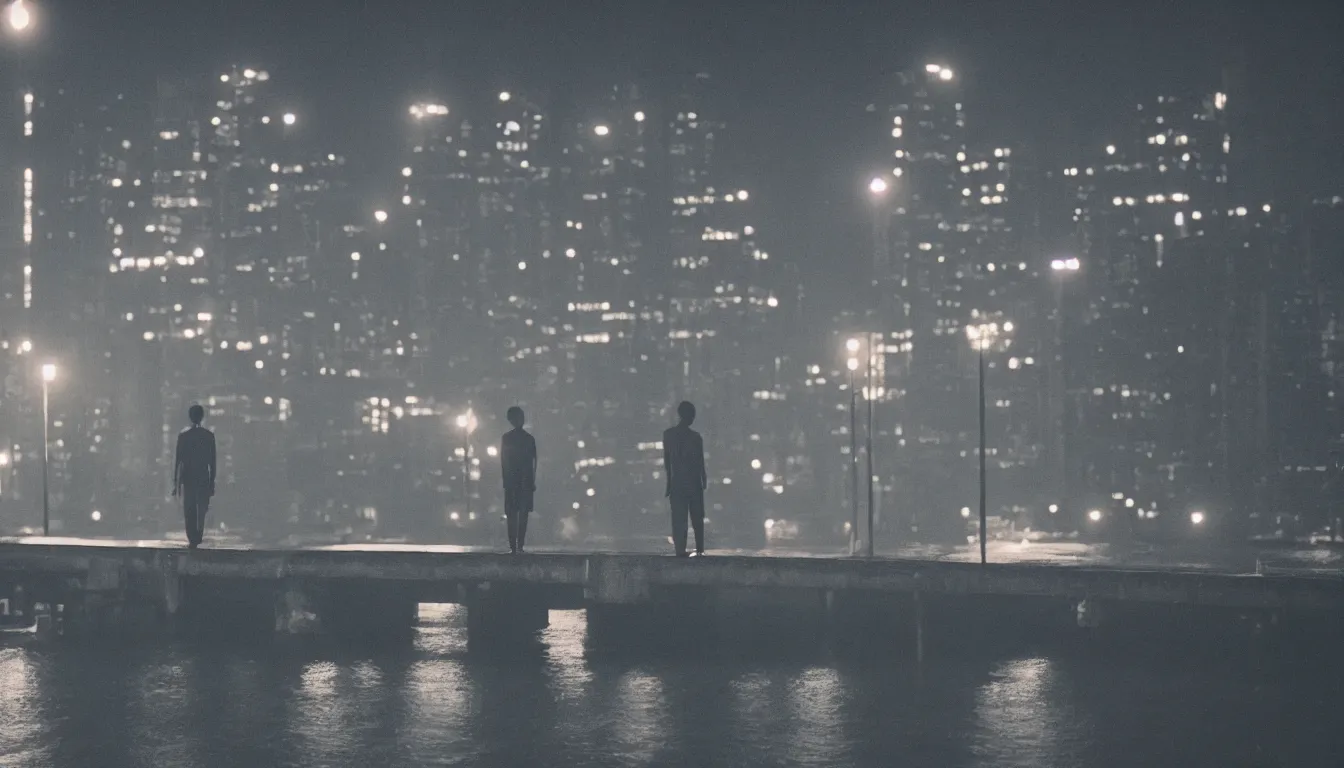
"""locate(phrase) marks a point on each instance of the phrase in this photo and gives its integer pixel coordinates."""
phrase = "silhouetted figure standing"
(518, 460)
(684, 462)
(194, 474)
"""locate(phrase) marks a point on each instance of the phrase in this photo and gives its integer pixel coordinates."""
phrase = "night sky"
(796, 73)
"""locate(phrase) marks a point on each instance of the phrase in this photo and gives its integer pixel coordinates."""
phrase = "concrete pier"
(635, 601)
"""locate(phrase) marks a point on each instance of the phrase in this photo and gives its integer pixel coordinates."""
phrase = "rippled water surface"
(435, 704)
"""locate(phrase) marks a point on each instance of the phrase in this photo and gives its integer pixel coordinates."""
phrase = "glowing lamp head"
(380, 216)
(95, 516)
(877, 186)
(601, 130)
(1094, 515)
(48, 372)
(1197, 518)
(18, 16)
(467, 421)
(290, 118)
(852, 345)
(852, 364)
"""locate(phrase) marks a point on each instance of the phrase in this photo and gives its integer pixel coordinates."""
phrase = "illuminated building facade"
(724, 326)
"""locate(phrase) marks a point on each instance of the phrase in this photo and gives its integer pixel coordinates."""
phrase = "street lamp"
(48, 376)
(467, 422)
(878, 185)
(982, 336)
(852, 364)
(1061, 269)
(380, 216)
(18, 17)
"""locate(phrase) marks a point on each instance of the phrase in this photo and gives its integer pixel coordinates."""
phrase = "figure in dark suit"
(194, 474)
(518, 460)
(684, 463)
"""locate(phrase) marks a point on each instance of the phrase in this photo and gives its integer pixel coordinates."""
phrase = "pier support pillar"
(366, 612)
(503, 616)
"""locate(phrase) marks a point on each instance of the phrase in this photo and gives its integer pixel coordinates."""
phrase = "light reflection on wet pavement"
(1245, 559)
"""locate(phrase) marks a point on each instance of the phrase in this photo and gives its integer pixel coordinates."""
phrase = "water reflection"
(640, 728)
(23, 719)
(1021, 714)
(816, 735)
(431, 703)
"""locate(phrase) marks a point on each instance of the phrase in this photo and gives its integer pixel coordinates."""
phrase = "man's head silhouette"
(515, 417)
(197, 414)
(686, 412)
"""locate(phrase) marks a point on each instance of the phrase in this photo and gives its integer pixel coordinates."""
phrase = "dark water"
(436, 705)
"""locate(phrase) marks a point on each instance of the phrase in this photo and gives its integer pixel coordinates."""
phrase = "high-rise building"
(1151, 358)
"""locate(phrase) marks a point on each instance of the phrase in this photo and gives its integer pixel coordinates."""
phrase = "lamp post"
(1060, 270)
(467, 421)
(878, 188)
(852, 364)
(981, 336)
(48, 376)
(868, 441)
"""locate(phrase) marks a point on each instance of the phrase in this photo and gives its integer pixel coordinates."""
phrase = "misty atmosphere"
(988, 358)
(341, 260)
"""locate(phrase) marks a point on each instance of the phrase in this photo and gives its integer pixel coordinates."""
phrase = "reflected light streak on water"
(816, 733)
(641, 726)
(22, 716)
(321, 719)
(432, 703)
(439, 700)
(1020, 714)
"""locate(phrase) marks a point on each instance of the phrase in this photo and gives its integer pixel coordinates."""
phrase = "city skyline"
(599, 256)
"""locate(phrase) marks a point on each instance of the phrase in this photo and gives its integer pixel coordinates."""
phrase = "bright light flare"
(18, 16)
(95, 516)
(290, 118)
(1094, 515)
(467, 421)
(380, 216)
(1197, 518)
(1071, 264)
(852, 345)
(48, 372)
(878, 185)
(601, 130)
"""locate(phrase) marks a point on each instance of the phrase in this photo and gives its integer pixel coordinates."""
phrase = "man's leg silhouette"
(191, 515)
(511, 516)
(681, 505)
(696, 507)
(521, 516)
